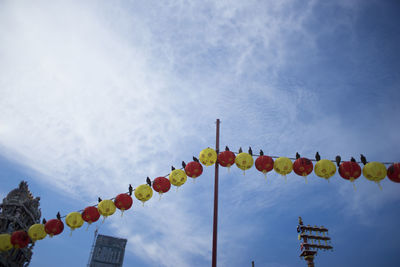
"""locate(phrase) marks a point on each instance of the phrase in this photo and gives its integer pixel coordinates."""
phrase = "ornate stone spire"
(18, 211)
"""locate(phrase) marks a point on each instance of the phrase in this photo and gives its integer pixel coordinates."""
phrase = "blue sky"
(97, 95)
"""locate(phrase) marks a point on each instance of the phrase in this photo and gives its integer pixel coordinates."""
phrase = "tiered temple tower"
(18, 211)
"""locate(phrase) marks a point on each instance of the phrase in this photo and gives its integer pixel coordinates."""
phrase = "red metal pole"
(215, 225)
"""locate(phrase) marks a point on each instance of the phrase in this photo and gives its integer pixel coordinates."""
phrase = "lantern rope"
(311, 159)
(150, 182)
(165, 176)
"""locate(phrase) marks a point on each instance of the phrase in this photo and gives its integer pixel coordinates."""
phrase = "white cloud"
(95, 97)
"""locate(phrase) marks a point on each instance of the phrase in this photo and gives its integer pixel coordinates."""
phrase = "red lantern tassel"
(354, 185)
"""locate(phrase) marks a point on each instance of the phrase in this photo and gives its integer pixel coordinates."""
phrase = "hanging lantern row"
(105, 208)
(324, 168)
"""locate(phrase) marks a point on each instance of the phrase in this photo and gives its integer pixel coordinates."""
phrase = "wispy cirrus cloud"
(94, 97)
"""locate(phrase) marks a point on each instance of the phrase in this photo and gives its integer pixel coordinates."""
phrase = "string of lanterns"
(324, 168)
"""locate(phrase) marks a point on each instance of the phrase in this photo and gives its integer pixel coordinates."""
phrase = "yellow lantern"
(74, 220)
(374, 171)
(208, 156)
(325, 168)
(5, 242)
(106, 208)
(143, 192)
(283, 166)
(177, 177)
(37, 232)
(244, 161)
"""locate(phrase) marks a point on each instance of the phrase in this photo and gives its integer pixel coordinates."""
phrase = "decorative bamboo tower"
(309, 246)
(18, 211)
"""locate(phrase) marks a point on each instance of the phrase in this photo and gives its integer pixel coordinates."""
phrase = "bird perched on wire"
(363, 159)
(338, 160)
(148, 181)
(317, 156)
(240, 150)
(297, 155)
(250, 151)
(130, 189)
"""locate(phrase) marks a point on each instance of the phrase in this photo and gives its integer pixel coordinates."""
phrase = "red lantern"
(393, 172)
(90, 214)
(54, 227)
(264, 164)
(193, 169)
(226, 158)
(20, 239)
(349, 170)
(303, 166)
(162, 184)
(123, 202)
